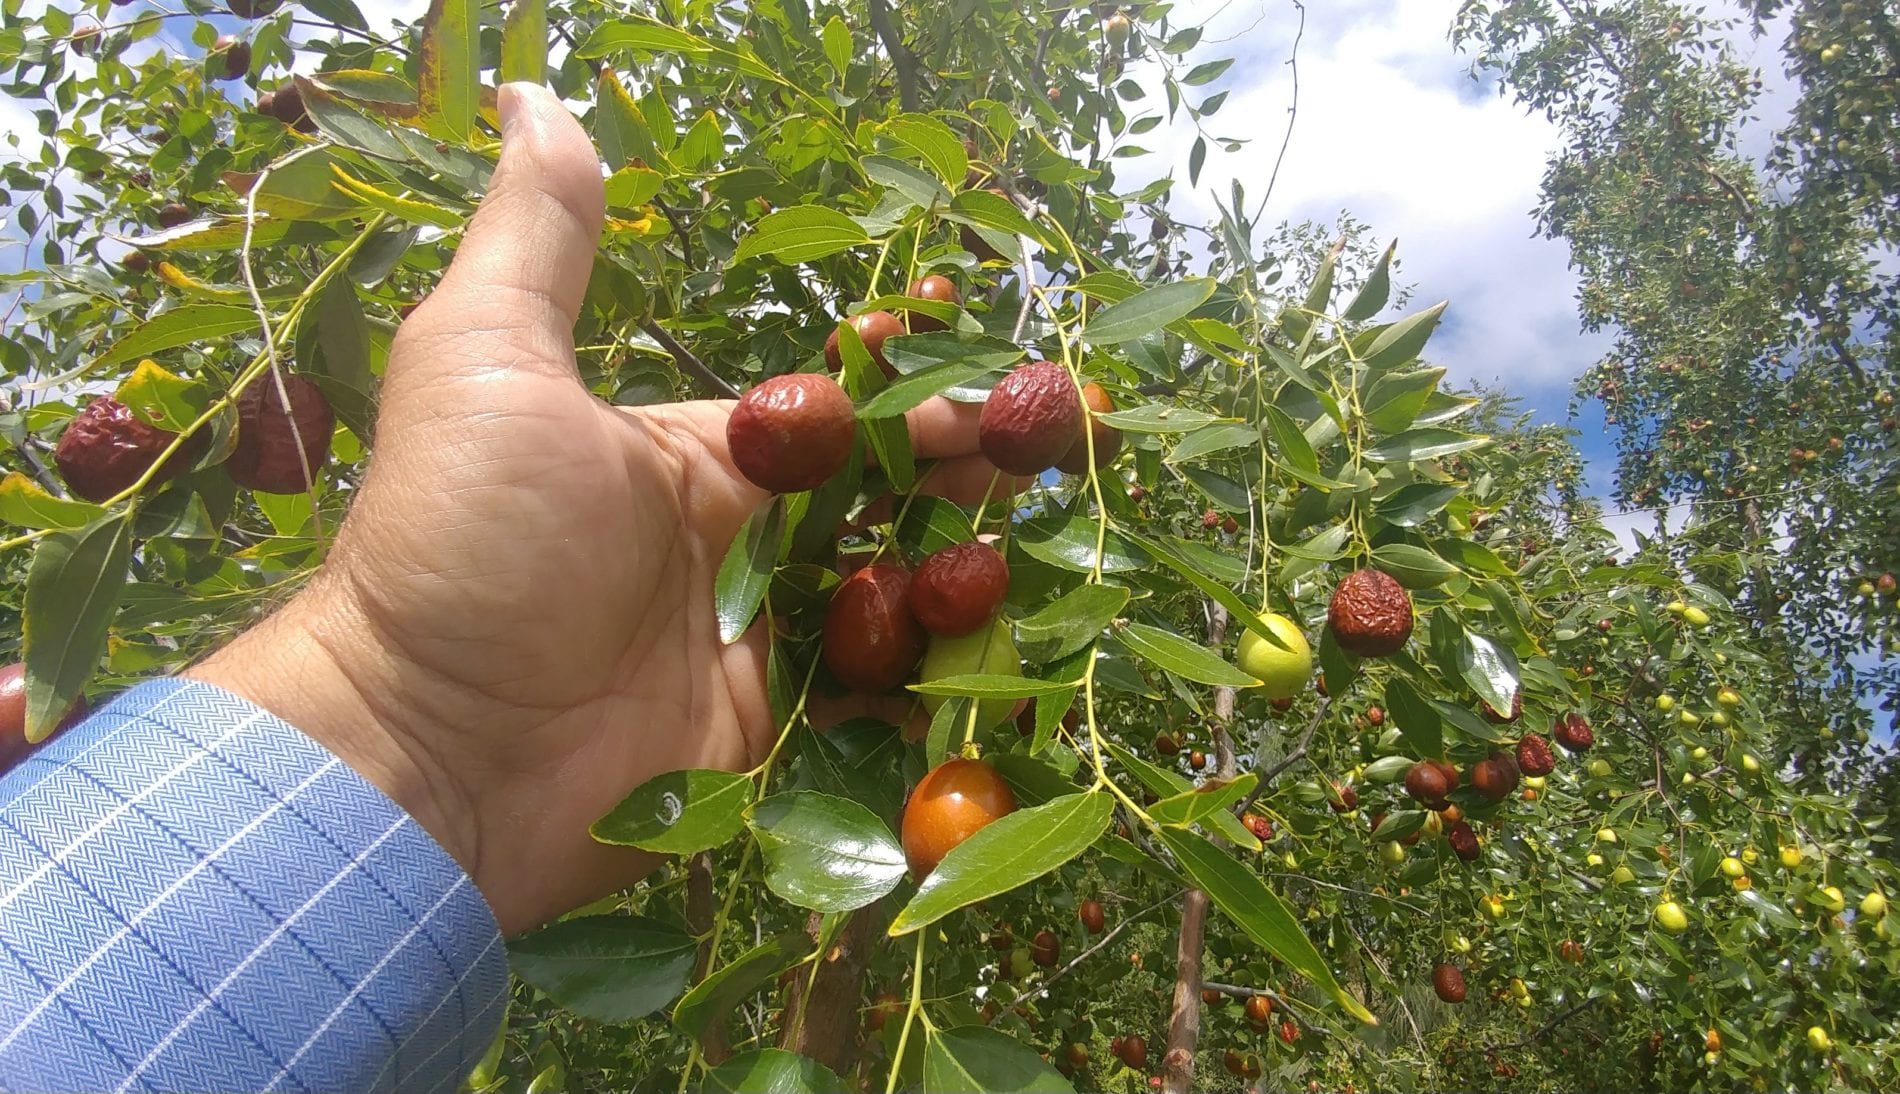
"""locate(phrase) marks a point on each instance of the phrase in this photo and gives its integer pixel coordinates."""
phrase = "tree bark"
(699, 919)
(823, 1022)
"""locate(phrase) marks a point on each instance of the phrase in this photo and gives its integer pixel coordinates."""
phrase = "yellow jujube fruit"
(1671, 918)
(1732, 867)
(1831, 898)
(1695, 616)
(1790, 856)
(1622, 875)
(1282, 663)
(1874, 904)
(1392, 852)
(1818, 1040)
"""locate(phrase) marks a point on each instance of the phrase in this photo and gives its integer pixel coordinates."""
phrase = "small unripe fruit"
(1606, 835)
(987, 651)
(1675, 607)
(1732, 867)
(1695, 616)
(1665, 702)
(1874, 904)
(1790, 856)
(1392, 853)
(792, 433)
(1729, 697)
(1622, 875)
(1593, 860)
(1831, 898)
(1599, 768)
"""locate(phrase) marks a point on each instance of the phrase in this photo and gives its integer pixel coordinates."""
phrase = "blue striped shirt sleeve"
(196, 896)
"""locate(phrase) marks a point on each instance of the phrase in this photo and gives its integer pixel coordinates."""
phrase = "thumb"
(522, 269)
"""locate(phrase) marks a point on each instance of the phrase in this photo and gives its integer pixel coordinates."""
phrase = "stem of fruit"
(911, 1013)
(270, 340)
(877, 270)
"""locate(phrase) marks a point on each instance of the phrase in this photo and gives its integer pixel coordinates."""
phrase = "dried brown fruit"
(1495, 777)
(871, 639)
(1426, 782)
(237, 56)
(931, 287)
(873, 328)
(266, 456)
(286, 105)
(1230, 526)
(1166, 745)
(1370, 614)
(106, 447)
(1448, 981)
(1491, 713)
(1463, 840)
(1031, 419)
(1375, 716)
(1573, 732)
(1093, 917)
(1210, 520)
(1134, 1051)
(1534, 756)
(173, 213)
(1570, 951)
(958, 589)
(1108, 439)
(791, 433)
(136, 262)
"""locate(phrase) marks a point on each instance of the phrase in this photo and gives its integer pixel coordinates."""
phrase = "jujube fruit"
(1573, 732)
(1108, 439)
(1289, 1032)
(106, 447)
(1463, 840)
(236, 53)
(871, 639)
(952, 802)
(1370, 614)
(1448, 981)
(266, 456)
(1343, 799)
(989, 651)
(1534, 756)
(13, 743)
(873, 328)
(1257, 1009)
(958, 589)
(286, 105)
(1031, 419)
(1281, 659)
(883, 1008)
(1495, 777)
(1492, 715)
(1046, 948)
(1427, 783)
(1092, 916)
(1261, 827)
(1197, 759)
(173, 213)
(1134, 1051)
(136, 262)
(933, 287)
(792, 432)
(1167, 745)
(1570, 950)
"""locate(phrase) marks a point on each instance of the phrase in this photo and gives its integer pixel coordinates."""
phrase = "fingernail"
(508, 106)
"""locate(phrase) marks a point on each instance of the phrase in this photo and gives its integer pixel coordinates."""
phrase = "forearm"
(194, 895)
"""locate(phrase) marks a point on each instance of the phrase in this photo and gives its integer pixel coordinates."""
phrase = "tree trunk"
(823, 1022)
(699, 920)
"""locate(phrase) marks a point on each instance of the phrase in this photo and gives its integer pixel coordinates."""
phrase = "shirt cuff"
(196, 896)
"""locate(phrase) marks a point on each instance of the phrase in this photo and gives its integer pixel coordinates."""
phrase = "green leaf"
(1402, 341)
(915, 183)
(1149, 310)
(906, 392)
(837, 41)
(1290, 443)
(73, 586)
(341, 364)
(524, 42)
(448, 78)
(1411, 506)
(619, 125)
(1197, 577)
(642, 35)
(724, 989)
(1398, 397)
(1071, 622)
(1371, 297)
(801, 233)
(746, 571)
(1258, 911)
(1423, 444)
(1490, 669)
(163, 398)
(303, 187)
(1188, 660)
(1211, 439)
(703, 144)
(931, 141)
(178, 327)
(969, 1059)
(1069, 543)
(631, 187)
(1010, 851)
(409, 209)
(931, 524)
(1167, 784)
(983, 209)
(679, 812)
(977, 685)
(825, 853)
(1413, 567)
(1207, 72)
(1158, 418)
(1183, 810)
(773, 1070)
(1416, 719)
(26, 504)
(608, 968)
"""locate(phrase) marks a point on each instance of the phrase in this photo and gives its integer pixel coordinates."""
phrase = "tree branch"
(699, 920)
(1291, 758)
(689, 363)
(902, 59)
(1556, 1020)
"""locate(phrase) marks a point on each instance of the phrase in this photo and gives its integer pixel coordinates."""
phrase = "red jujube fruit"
(1031, 419)
(266, 456)
(792, 432)
(951, 803)
(106, 447)
(871, 639)
(957, 590)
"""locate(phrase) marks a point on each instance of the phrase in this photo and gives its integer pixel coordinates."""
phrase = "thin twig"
(1105, 940)
(1291, 758)
(270, 340)
(901, 57)
(40, 472)
(1292, 111)
(688, 362)
(1556, 1019)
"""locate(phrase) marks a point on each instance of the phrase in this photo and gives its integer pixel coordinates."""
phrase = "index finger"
(941, 429)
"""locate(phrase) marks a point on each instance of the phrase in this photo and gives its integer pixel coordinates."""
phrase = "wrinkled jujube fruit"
(136, 262)
(873, 328)
(1426, 782)
(173, 213)
(266, 454)
(1449, 982)
(1092, 916)
(1463, 840)
(1370, 614)
(1031, 419)
(1491, 713)
(1261, 827)
(237, 55)
(106, 447)
(871, 639)
(1108, 439)
(1534, 756)
(792, 432)
(957, 590)
(931, 287)
(1573, 732)
(951, 803)
(1210, 520)
(1495, 777)
(286, 105)
(1046, 948)
(1289, 1031)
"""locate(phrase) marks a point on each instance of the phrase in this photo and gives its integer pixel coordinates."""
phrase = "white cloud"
(1391, 128)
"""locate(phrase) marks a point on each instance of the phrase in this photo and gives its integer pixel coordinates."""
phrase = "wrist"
(314, 665)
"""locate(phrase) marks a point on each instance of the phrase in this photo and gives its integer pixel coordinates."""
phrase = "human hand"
(516, 625)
